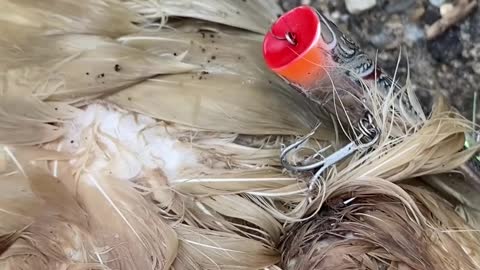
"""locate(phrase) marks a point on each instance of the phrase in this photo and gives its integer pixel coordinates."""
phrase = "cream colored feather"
(433, 148)
(215, 50)
(17, 50)
(459, 191)
(32, 109)
(106, 68)
(254, 180)
(204, 249)
(242, 209)
(221, 103)
(166, 170)
(49, 225)
(250, 15)
(452, 227)
(105, 17)
(28, 121)
(16, 205)
(124, 222)
(115, 213)
(233, 88)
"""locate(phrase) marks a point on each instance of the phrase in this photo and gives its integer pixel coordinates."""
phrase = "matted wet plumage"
(146, 134)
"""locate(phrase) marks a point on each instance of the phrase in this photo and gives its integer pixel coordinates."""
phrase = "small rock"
(446, 9)
(358, 6)
(387, 35)
(471, 28)
(400, 6)
(381, 40)
(437, 3)
(336, 15)
(474, 52)
(476, 68)
(417, 14)
(386, 40)
(413, 34)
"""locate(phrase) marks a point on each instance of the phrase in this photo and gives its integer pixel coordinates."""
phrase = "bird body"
(145, 134)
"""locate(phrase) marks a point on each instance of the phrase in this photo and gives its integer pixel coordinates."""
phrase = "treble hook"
(368, 137)
(365, 127)
(293, 148)
(339, 155)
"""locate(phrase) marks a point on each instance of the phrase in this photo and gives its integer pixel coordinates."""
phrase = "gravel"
(356, 7)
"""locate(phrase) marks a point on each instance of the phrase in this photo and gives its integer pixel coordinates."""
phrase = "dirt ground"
(449, 63)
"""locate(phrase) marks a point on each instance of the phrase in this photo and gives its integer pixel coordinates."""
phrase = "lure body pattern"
(345, 53)
(341, 73)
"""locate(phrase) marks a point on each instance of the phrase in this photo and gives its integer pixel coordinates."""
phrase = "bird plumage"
(149, 167)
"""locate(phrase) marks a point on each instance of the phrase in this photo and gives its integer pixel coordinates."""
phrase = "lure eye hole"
(291, 38)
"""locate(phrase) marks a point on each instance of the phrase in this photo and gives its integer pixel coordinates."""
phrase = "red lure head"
(294, 49)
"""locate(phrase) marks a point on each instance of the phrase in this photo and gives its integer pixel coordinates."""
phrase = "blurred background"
(441, 39)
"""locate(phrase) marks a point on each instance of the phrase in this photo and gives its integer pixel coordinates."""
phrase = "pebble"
(474, 53)
(437, 3)
(385, 39)
(400, 6)
(413, 33)
(358, 6)
(417, 14)
(476, 68)
(446, 9)
(336, 15)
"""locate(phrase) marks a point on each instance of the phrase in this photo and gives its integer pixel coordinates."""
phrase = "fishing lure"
(310, 53)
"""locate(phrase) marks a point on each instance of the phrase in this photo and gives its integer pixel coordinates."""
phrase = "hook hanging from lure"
(310, 53)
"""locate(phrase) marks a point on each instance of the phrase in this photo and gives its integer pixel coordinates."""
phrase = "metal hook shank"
(339, 155)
